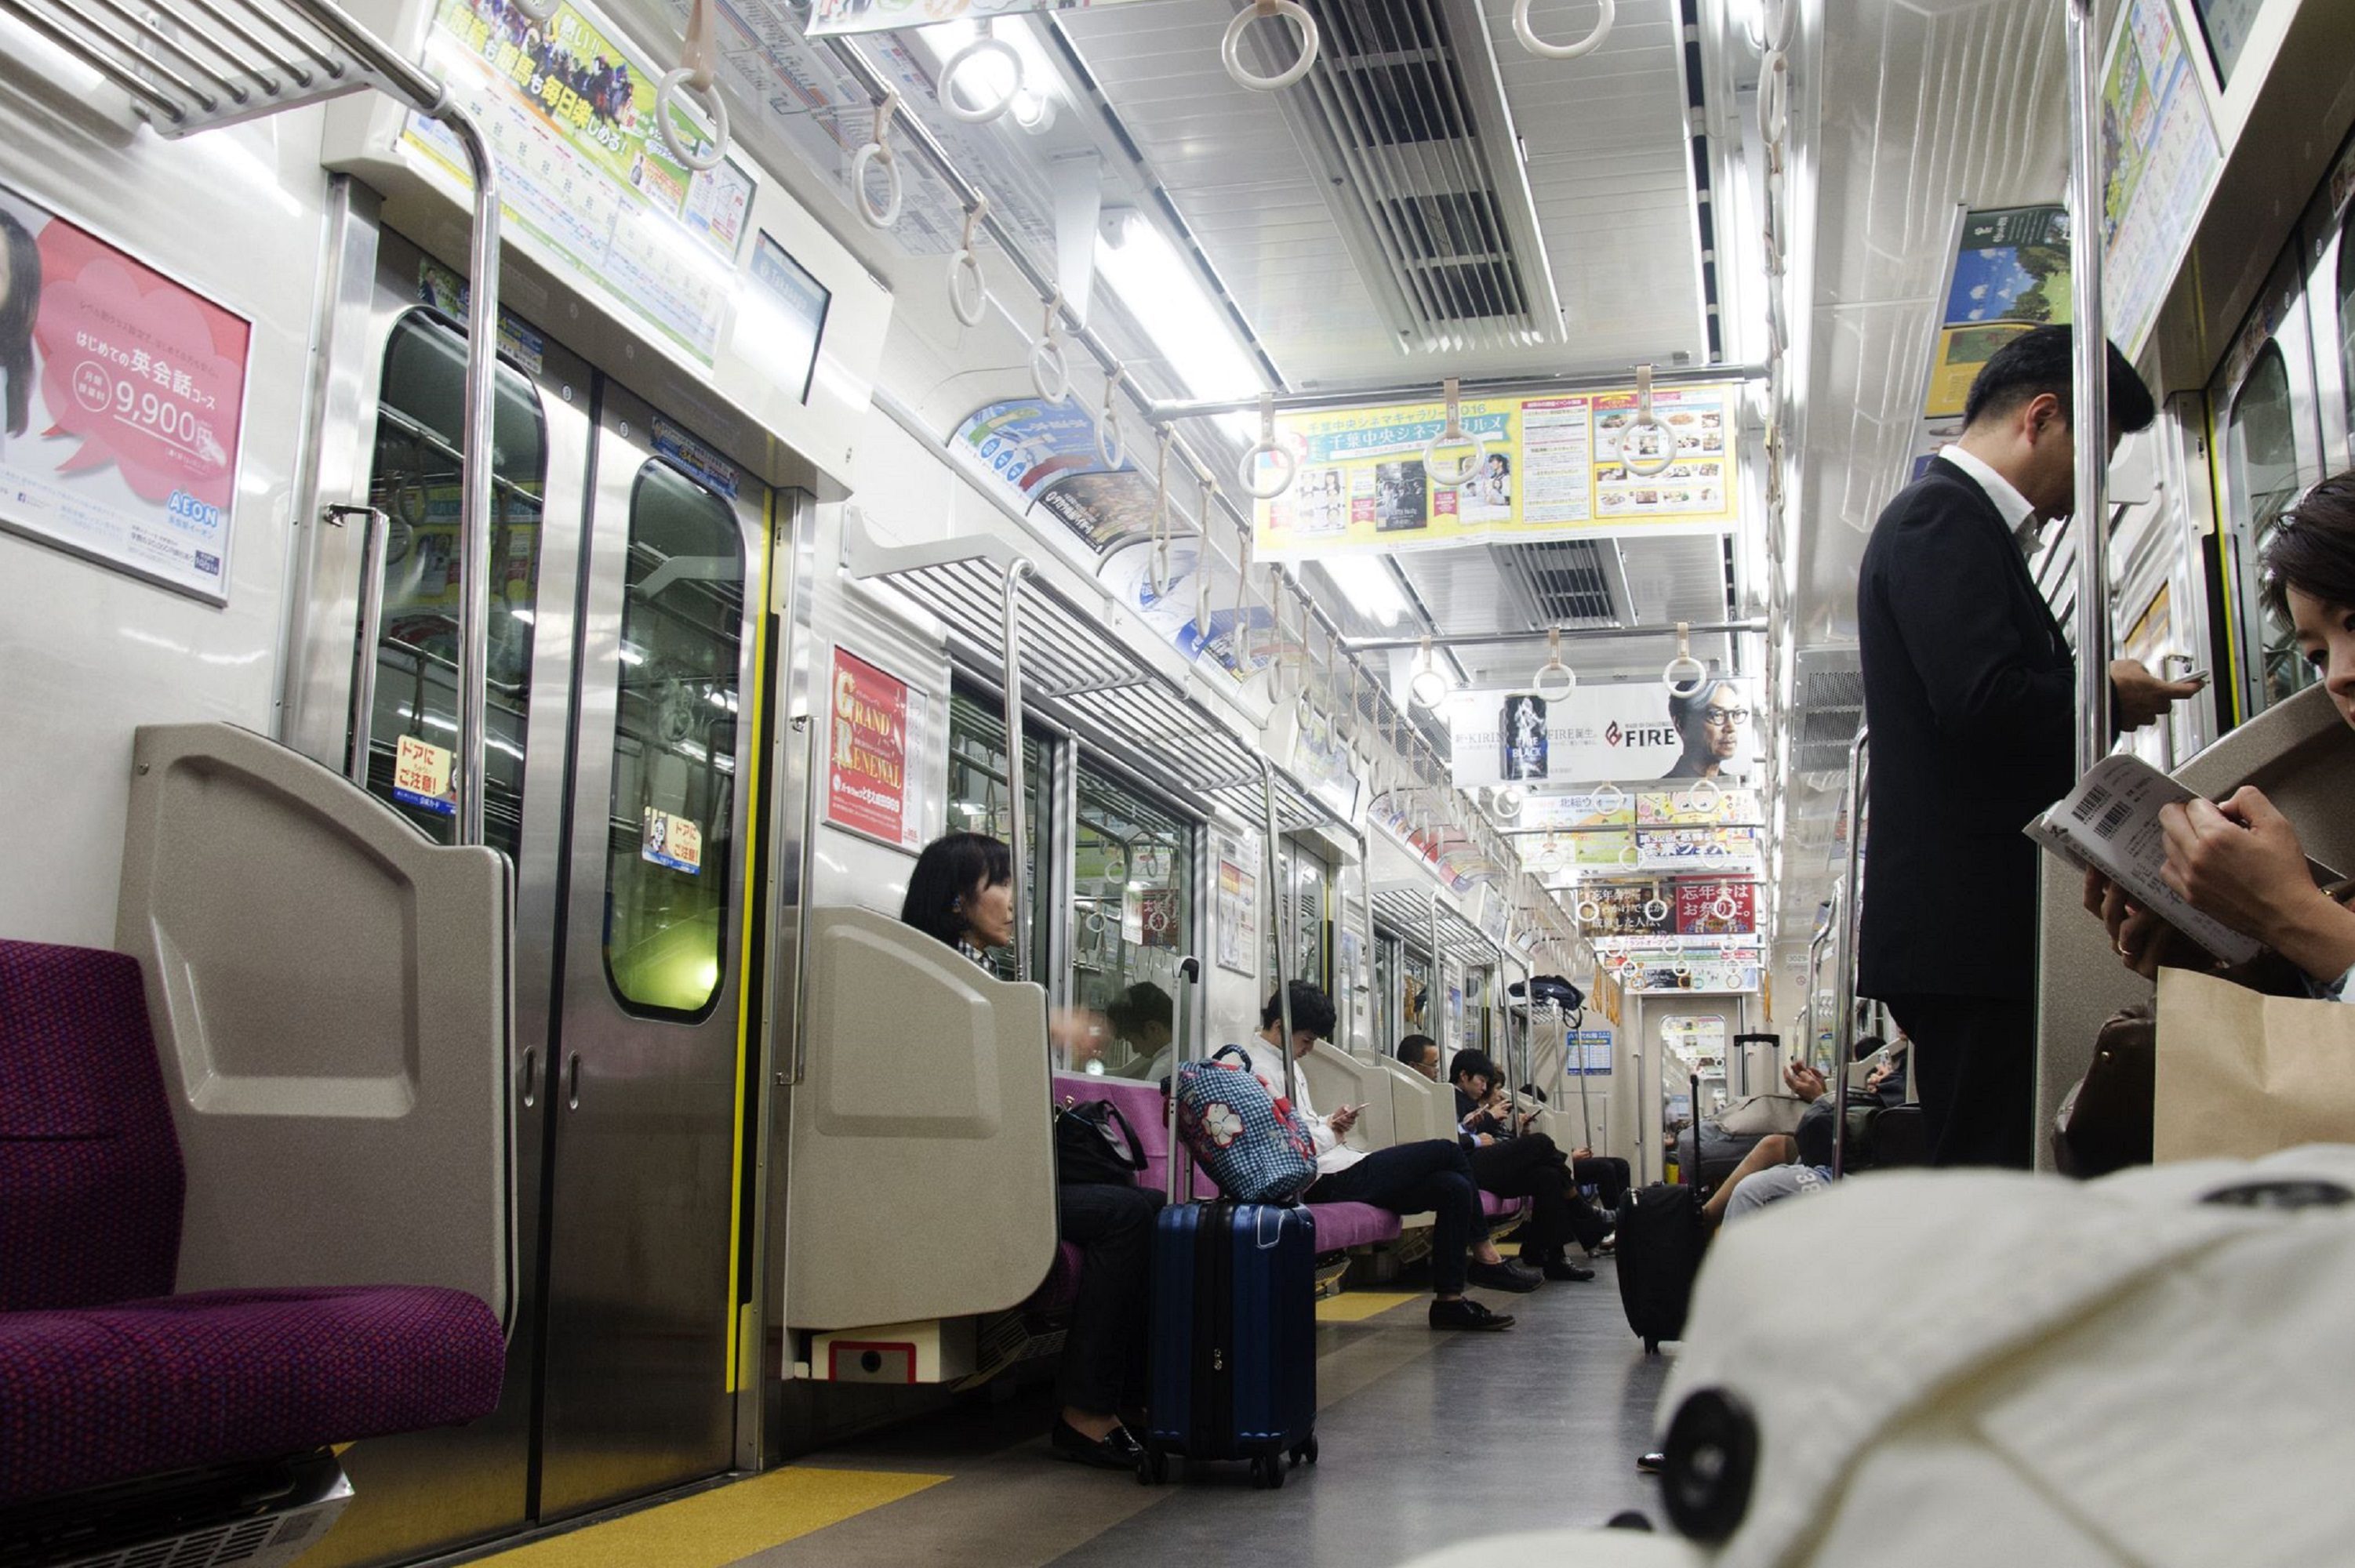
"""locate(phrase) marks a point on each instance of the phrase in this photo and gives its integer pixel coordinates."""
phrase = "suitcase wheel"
(1267, 1470)
(1304, 1452)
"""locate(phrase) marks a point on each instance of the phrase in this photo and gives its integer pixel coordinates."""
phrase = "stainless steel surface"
(1860, 792)
(1473, 388)
(572, 1081)
(2087, 180)
(374, 525)
(1569, 634)
(812, 735)
(475, 504)
(528, 1078)
(1017, 788)
(634, 1394)
(1273, 858)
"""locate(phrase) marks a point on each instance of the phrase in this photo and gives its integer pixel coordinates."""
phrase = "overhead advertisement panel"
(869, 17)
(1548, 468)
(1603, 733)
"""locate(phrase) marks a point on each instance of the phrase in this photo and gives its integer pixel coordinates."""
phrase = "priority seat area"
(106, 1376)
(1340, 1227)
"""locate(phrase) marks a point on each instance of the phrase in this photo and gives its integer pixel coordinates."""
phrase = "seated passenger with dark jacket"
(961, 891)
(1406, 1178)
(1512, 1161)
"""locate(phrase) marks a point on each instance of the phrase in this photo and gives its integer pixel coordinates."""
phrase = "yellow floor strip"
(721, 1526)
(1357, 1306)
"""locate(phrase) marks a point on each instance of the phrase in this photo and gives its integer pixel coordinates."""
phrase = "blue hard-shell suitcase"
(1234, 1338)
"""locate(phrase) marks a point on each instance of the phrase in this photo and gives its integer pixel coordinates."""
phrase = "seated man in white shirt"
(1406, 1178)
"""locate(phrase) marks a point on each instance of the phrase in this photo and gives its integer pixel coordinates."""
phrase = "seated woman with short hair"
(2240, 861)
(961, 892)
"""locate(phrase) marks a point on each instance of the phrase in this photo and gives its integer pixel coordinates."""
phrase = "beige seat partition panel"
(922, 1173)
(1416, 1110)
(330, 995)
(2302, 755)
(1336, 1079)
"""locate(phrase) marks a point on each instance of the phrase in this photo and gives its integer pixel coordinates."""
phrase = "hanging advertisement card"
(584, 168)
(1549, 468)
(1322, 760)
(1589, 1052)
(122, 402)
(2010, 275)
(1601, 733)
(1242, 642)
(1236, 947)
(1711, 908)
(1698, 849)
(1614, 911)
(2164, 158)
(829, 17)
(878, 727)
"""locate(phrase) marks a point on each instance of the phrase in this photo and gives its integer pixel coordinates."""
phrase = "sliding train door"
(650, 1026)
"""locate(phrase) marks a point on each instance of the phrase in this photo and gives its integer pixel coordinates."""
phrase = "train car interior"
(718, 706)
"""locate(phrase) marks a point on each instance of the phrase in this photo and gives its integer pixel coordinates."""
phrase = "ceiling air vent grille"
(1422, 170)
(1569, 581)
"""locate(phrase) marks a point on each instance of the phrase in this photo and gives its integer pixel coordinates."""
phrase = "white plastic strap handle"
(1590, 912)
(1428, 688)
(1508, 801)
(696, 59)
(1453, 433)
(1549, 854)
(878, 151)
(1725, 908)
(1703, 800)
(1231, 46)
(1781, 18)
(1554, 680)
(1684, 676)
(1050, 368)
(983, 112)
(968, 289)
(1203, 556)
(537, 10)
(1156, 564)
(1632, 855)
(1607, 799)
(1774, 96)
(1286, 465)
(1109, 446)
(1644, 419)
(1545, 51)
(1656, 910)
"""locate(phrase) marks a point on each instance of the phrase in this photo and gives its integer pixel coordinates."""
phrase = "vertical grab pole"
(1018, 786)
(1434, 993)
(1189, 977)
(1860, 786)
(475, 518)
(2090, 417)
(1275, 931)
(371, 631)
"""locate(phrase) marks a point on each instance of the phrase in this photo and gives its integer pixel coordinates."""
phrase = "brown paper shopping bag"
(2241, 1074)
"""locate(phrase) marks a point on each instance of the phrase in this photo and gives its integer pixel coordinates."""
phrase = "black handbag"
(1088, 1139)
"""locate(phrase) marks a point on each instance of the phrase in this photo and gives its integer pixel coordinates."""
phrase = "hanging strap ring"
(1554, 680)
(1453, 433)
(1684, 676)
(1665, 441)
(1050, 367)
(983, 112)
(1231, 46)
(1774, 95)
(1656, 910)
(1703, 800)
(878, 151)
(1286, 465)
(1427, 688)
(970, 303)
(1546, 51)
(1108, 442)
(704, 157)
(1607, 799)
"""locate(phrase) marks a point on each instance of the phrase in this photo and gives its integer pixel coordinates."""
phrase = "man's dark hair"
(1867, 1045)
(951, 866)
(1411, 1049)
(1472, 1060)
(2042, 361)
(1312, 1010)
(1139, 1005)
(2313, 547)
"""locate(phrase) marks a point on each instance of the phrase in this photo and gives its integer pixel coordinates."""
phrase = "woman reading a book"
(2240, 861)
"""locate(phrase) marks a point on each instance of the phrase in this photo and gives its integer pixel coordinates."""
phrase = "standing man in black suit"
(1972, 695)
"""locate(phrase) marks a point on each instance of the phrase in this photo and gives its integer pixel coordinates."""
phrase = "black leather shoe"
(1465, 1313)
(1564, 1270)
(1651, 1463)
(1115, 1450)
(1503, 1276)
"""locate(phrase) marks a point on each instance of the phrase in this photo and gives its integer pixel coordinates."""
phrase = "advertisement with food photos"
(122, 403)
(1698, 849)
(1617, 910)
(1601, 733)
(1698, 480)
(878, 729)
(1714, 908)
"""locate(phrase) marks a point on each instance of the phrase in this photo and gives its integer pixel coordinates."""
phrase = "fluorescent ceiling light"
(1369, 587)
(1168, 301)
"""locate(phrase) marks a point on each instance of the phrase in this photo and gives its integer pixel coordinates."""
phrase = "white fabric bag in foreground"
(1942, 1369)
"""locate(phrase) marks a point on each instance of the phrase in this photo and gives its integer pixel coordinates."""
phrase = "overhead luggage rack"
(1418, 916)
(1104, 692)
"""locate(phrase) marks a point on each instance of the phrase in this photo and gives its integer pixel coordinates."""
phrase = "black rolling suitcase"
(1231, 1346)
(1661, 1237)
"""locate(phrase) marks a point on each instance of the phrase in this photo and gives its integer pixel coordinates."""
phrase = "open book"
(2110, 820)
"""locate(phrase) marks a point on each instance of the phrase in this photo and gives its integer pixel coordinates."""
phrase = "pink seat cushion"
(1342, 1225)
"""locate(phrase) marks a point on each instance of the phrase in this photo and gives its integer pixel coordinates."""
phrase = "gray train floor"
(1426, 1438)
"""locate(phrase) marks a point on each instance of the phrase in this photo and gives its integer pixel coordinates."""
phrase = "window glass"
(2346, 315)
(978, 803)
(416, 482)
(667, 861)
(1132, 909)
(2262, 453)
(1304, 912)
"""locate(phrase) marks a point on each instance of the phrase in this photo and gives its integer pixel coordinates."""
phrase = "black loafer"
(1502, 1276)
(1115, 1450)
(1465, 1313)
(1565, 1269)
(1651, 1463)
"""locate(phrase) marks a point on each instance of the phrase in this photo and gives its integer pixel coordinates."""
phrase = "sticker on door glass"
(420, 777)
(671, 841)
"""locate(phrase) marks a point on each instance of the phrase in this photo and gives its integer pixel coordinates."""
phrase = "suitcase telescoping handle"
(1692, 1102)
(1189, 975)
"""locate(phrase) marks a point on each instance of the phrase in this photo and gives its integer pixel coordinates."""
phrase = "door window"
(2263, 454)
(417, 478)
(2347, 316)
(668, 858)
(1132, 909)
(979, 803)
